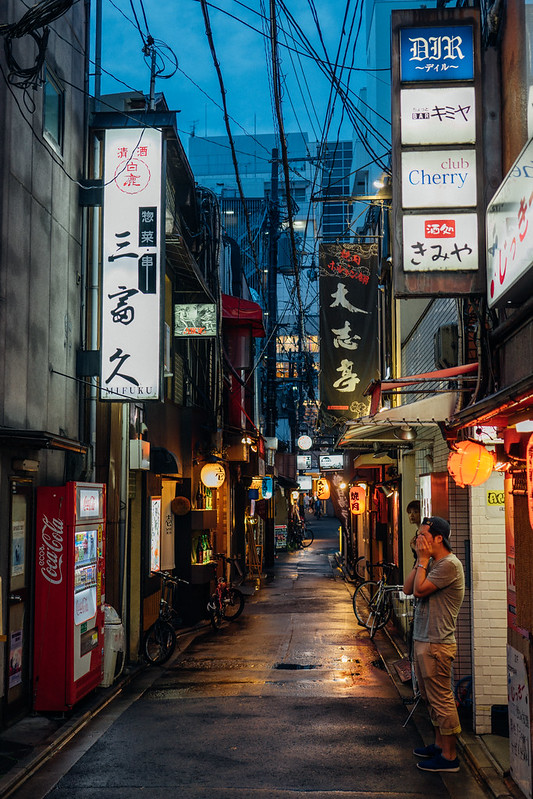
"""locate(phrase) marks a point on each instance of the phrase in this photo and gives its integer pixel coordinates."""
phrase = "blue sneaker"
(439, 763)
(427, 751)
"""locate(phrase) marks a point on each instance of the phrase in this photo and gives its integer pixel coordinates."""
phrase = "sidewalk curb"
(27, 767)
(469, 745)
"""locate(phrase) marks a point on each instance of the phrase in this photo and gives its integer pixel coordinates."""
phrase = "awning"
(190, 283)
(163, 461)
(287, 482)
(501, 409)
(238, 311)
(388, 386)
(39, 439)
(386, 425)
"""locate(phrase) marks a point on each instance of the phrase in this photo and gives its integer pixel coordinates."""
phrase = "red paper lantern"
(470, 463)
(357, 500)
(322, 488)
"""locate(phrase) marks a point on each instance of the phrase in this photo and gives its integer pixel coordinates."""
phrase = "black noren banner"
(349, 346)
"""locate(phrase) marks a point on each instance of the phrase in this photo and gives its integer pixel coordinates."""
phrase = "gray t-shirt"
(436, 614)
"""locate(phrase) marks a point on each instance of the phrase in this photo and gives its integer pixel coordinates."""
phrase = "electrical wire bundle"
(34, 20)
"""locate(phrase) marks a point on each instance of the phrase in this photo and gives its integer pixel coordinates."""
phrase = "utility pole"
(271, 414)
(272, 295)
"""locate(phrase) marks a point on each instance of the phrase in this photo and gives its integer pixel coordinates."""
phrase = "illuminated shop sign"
(303, 462)
(440, 242)
(510, 234)
(331, 461)
(193, 320)
(439, 179)
(438, 116)
(437, 53)
(131, 265)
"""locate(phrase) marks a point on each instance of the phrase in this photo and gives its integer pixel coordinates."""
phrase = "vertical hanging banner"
(349, 353)
(131, 265)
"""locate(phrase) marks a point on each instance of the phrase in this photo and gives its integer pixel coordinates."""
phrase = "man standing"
(437, 581)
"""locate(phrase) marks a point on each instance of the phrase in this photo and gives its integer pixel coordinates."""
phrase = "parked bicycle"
(160, 638)
(227, 602)
(372, 600)
(300, 536)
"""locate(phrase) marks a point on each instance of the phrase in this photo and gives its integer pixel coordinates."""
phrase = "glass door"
(17, 678)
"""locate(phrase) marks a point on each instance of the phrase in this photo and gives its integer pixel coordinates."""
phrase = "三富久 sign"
(439, 179)
(131, 265)
(437, 53)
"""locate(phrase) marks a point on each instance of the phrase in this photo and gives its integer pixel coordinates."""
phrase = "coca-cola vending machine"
(69, 594)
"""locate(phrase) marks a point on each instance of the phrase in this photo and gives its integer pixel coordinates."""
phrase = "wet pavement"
(290, 700)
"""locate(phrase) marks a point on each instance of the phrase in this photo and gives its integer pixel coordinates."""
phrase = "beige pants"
(433, 669)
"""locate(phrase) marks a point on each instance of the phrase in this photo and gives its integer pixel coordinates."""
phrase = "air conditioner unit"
(446, 347)
(139, 454)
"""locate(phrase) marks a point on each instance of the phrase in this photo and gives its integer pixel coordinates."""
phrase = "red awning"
(236, 311)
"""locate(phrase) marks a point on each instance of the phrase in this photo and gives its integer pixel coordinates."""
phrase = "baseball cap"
(439, 526)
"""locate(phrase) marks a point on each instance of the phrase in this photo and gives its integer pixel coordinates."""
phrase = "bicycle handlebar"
(166, 577)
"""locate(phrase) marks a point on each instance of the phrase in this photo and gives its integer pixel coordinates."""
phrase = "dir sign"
(438, 115)
(437, 53)
(440, 241)
(439, 179)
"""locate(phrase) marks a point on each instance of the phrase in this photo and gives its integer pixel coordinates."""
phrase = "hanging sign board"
(436, 53)
(131, 265)
(438, 224)
(438, 116)
(510, 234)
(195, 320)
(440, 241)
(439, 179)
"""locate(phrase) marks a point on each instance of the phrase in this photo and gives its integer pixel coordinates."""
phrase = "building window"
(53, 111)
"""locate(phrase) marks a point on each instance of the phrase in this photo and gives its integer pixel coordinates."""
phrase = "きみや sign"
(440, 242)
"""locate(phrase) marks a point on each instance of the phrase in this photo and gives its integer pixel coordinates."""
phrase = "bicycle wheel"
(307, 538)
(233, 603)
(381, 616)
(159, 642)
(362, 601)
(215, 613)
(360, 568)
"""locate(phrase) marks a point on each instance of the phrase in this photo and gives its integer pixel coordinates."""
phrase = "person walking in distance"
(413, 514)
(437, 581)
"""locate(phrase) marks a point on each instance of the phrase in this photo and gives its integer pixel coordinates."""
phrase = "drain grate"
(296, 666)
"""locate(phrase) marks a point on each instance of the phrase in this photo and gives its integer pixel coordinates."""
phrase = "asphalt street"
(288, 701)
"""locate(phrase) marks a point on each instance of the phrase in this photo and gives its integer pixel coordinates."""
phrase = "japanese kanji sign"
(438, 226)
(438, 116)
(348, 327)
(437, 53)
(510, 234)
(131, 265)
(444, 241)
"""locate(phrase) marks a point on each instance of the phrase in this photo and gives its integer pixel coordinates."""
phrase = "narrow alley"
(287, 701)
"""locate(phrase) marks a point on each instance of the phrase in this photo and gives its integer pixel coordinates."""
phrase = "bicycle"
(227, 602)
(160, 638)
(300, 536)
(372, 601)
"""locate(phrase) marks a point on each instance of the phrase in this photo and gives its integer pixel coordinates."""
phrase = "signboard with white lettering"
(440, 241)
(438, 115)
(437, 53)
(131, 265)
(509, 235)
(439, 179)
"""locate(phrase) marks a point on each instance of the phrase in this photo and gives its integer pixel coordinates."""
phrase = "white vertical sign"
(519, 720)
(131, 265)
